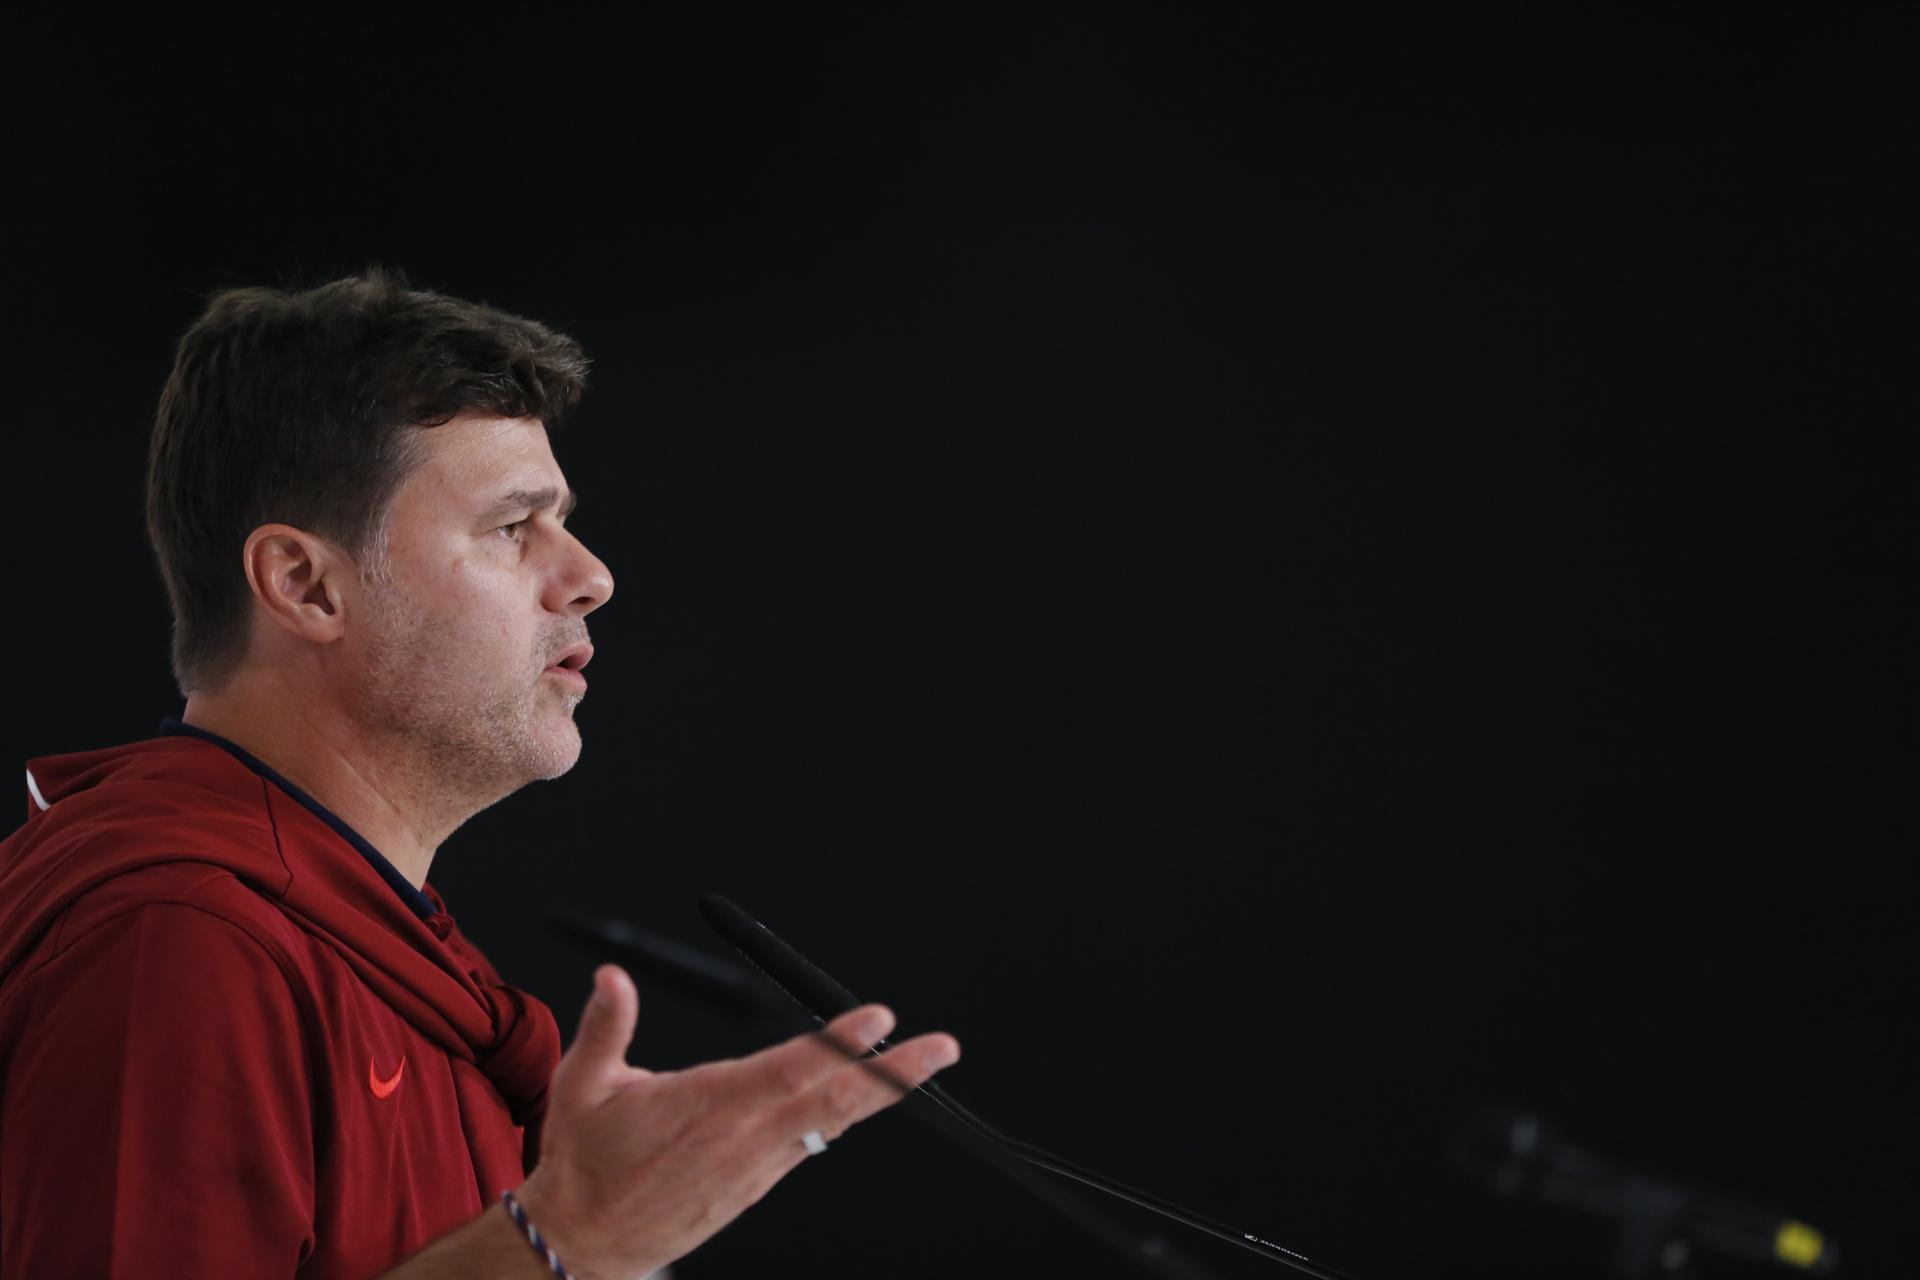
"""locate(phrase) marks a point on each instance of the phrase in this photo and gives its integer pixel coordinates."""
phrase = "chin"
(559, 751)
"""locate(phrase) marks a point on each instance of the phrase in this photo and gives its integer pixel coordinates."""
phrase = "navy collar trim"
(422, 905)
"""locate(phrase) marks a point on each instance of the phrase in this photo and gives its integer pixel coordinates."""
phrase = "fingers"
(587, 1070)
(807, 1059)
(858, 1089)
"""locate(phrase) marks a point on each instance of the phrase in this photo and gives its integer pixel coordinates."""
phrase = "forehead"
(470, 460)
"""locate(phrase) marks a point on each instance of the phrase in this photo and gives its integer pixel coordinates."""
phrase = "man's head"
(352, 489)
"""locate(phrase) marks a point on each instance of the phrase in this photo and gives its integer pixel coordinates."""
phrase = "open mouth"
(569, 664)
(574, 659)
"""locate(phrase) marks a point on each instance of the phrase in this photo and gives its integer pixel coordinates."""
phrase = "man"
(240, 1035)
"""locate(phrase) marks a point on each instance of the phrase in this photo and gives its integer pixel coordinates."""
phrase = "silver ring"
(813, 1142)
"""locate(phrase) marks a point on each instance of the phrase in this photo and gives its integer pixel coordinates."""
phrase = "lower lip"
(569, 675)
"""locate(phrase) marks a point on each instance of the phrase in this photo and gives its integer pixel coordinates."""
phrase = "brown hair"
(299, 408)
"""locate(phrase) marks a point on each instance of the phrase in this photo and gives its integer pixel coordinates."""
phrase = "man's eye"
(513, 530)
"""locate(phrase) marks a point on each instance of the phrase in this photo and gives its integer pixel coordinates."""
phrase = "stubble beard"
(423, 693)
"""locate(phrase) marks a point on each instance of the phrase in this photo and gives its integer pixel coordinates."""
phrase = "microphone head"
(709, 978)
(803, 981)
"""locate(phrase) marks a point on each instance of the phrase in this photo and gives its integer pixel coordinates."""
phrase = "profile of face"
(472, 621)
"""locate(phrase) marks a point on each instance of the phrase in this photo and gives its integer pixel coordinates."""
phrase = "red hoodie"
(228, 1046)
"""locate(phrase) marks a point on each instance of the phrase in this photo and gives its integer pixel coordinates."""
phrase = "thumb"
(606, 1029)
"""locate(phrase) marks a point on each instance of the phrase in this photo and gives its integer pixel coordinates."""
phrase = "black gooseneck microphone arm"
(741, 992)
(809, 986)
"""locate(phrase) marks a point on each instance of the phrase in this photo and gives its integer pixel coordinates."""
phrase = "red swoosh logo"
(381, 1088)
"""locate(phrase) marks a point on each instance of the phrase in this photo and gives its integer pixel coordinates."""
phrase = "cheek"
(483, 609)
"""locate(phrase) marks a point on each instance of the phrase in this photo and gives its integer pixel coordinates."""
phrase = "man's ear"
(300, 579)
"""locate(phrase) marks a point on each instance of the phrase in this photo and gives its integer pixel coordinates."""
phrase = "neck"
(375, 785)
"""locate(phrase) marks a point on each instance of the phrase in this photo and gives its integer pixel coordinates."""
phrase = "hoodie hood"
(95, 815)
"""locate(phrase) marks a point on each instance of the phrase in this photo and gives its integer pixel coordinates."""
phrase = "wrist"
(574, 1234)
(559, 1235)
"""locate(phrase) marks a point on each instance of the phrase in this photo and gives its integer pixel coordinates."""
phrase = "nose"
(584, 582)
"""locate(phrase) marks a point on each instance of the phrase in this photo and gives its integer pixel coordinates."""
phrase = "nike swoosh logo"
(381, 1088)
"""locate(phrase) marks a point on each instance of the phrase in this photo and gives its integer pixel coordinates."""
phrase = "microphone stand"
(822, 998)
(810, 987)
(738, 992)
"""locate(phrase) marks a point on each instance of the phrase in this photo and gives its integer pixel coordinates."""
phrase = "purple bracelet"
(540, 1246)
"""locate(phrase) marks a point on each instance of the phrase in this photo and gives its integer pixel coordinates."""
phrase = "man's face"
(458, 646)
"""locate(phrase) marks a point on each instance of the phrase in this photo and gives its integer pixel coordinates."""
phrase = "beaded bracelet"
(540, 1246)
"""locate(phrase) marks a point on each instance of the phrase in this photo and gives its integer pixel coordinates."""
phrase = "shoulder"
(186, 917)
(162, 782)
(170, 973)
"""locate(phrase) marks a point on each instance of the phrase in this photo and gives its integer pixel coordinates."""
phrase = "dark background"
(1285, 580)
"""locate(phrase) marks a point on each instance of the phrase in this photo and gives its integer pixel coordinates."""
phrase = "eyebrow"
(532, 500)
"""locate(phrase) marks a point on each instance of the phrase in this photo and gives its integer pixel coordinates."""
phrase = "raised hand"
(638, 1167)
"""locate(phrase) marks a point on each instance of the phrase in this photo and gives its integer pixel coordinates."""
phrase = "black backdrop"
(1286, 581)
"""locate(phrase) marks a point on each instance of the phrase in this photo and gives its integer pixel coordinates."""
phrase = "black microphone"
(826, 999)
(691, 970)
(1516, 1153)
(739, 991)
